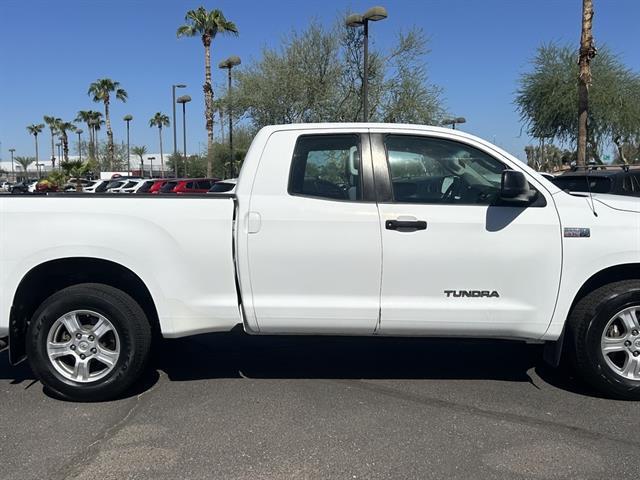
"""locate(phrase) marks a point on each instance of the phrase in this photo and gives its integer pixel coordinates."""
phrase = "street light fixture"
(374, 14)
(151, 159)
(13, 173)
(184, 99)
(173, 96)
(79, 132)
(127, 118)
(454, 121)
(229, 63)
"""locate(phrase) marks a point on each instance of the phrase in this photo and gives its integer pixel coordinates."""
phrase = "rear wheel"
(605, 328)
(88, 342)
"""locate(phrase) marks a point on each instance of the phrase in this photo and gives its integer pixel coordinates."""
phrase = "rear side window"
(203, 184)
(327, 166)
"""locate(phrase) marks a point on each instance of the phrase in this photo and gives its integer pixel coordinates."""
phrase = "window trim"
(366, 178)
(384, 184)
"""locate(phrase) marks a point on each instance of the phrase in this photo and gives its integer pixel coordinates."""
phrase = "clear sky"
(50, 51)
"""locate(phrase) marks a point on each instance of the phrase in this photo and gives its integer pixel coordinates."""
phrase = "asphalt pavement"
(237, 407)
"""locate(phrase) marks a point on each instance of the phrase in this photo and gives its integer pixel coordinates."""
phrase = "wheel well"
(629, 271)
(47, 278)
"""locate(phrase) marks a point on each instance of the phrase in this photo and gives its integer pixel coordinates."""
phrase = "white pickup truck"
(336, 229)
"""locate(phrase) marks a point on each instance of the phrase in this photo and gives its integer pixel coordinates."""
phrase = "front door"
(455, 261)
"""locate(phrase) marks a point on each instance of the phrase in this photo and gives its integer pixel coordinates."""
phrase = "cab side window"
(327, 166)
(437, 171)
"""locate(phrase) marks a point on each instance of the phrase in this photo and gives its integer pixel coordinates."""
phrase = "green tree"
(316, 76)
(92, 120)
(547, 98)
(62, 128)
(207, 24)
(100, 91)
(51, 122)
(35, 129)
(24, 162)
(160, 120)
(140, 151)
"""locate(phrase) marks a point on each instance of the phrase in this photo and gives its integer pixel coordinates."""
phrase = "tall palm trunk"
(35, 137)
(65, 145)
(109, 133)
(587, 52)
(161, 155)
(53, 150)
(208, 100)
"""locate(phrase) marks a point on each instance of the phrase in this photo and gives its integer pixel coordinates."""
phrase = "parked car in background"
(114, 185)
(189, 186)
(96, 186)
(5, 186)
(72, 184)
(23, 186)
(224, 186)
(132, 186)
(616, 181)
(156, 186)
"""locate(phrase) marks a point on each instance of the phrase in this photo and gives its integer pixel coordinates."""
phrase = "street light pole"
(229, 63)
(173, 103)
(454, 121)
(374, 14)
(128, 118)
(184, 99)
(13, 173)
(151, 159)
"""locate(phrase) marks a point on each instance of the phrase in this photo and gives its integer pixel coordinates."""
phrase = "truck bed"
(181, 247)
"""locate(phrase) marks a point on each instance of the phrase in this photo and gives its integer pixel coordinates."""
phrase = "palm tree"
(160, 120)
(100, 91)
(63, 127)
(141, 152)
(35, 129)
(89, 117)
(51, 123)
(24, 162)
(207, 25)
(587, 52)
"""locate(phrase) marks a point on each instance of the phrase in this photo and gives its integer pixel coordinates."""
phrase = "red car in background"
(189, 186)
(156, 186)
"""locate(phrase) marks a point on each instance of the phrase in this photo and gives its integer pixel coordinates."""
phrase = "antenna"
(586, 178)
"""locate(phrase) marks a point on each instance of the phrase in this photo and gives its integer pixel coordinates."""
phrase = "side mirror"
(514, 188)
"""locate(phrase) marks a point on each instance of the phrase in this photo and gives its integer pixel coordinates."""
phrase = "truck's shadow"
(236, 355)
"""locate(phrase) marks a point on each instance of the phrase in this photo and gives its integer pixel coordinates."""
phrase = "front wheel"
(88, 342)
(605, 331)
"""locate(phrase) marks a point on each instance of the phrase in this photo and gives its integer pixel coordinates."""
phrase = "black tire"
(128, 320)
(586, 325)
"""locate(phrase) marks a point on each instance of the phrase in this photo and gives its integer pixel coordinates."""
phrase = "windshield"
(576, 183)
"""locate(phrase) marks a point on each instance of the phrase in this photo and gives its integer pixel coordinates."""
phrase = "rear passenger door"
(313, 235)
